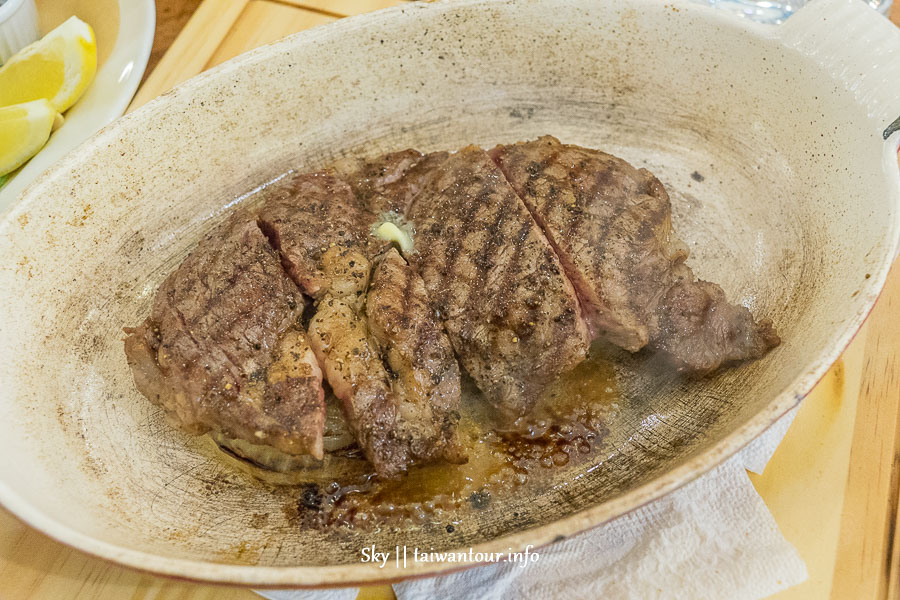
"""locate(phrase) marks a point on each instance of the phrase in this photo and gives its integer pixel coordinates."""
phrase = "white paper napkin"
(714, 538)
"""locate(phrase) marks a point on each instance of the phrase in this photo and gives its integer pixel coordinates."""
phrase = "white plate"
(119, 73)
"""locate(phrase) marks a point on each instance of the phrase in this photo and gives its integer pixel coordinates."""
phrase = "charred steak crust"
(222, 349)
(510, 313)
(611, 226)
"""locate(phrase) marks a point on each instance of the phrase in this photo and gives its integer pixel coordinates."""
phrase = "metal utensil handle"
(892, 128)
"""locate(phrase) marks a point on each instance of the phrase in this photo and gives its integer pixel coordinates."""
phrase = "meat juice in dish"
(396, 380)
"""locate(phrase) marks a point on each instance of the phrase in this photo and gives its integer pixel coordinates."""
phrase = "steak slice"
(420, 358)
(307, 214)
(222, 349)
(333, 265)
(510, 313)
(611, 226)
(352, 363)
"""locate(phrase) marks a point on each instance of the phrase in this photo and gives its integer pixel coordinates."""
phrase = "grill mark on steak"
(610, 224)
(416, 348)
(568, 268)
(403, 318)
(229, 312)
(512, 267)
(351, 361)
(455, 246)
(565, 230)
(357, 361)
(485, 258)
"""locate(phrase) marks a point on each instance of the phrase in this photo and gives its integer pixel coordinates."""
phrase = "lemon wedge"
(24, 129)
(57, 67)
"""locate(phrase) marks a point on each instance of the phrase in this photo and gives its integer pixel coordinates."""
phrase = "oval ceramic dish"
(796, 217)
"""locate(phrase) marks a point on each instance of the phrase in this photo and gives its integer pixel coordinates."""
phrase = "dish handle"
(860, 49)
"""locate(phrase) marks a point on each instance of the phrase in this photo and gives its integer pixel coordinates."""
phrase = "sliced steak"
(352, 362)
(222, 349)
(332, 264)
(425, 376)
(609, 223)
(520, 256)
(611, 227)
(510, 313)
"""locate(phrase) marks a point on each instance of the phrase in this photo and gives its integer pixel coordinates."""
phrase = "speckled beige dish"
(796, 216)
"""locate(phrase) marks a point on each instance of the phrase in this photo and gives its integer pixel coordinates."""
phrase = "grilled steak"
(609, 223)
(352, 363)
(421, 362)
(510, 313)
(611, 226)
(322, 233)
(521, 256)
(222, 349)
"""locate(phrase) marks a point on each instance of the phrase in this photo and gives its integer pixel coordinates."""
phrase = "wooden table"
(833, 485)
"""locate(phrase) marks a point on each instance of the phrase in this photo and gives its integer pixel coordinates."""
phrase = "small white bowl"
(123, 48)
(18, 26)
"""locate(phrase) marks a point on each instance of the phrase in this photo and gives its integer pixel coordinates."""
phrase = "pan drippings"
(565, 429)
